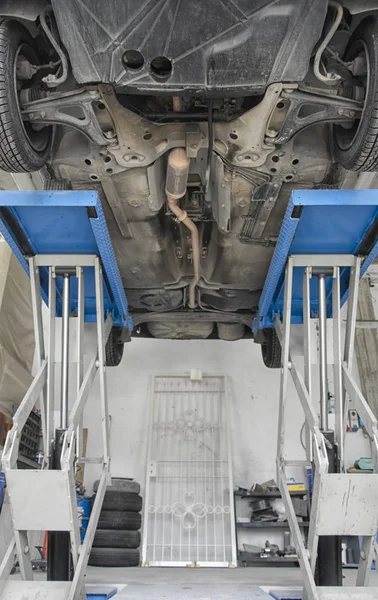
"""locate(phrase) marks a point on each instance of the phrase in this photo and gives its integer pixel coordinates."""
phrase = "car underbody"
(256, 94)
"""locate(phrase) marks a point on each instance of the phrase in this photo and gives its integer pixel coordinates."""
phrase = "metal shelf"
(272, 524)
(268, 494)
(247, 557)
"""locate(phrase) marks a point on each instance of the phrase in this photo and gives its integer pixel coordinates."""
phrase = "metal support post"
(307, 353)
(65, 351)
(329, 572)
(323, 352)
(329, 547)
(50, 405)
(80, 352)
(59, 541)
(58, 559)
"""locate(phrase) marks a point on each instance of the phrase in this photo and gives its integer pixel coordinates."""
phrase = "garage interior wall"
(254, 413)
(16, 332)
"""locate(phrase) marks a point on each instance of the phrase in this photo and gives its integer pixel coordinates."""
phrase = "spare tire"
(110, 538)
(120, 484)
(114, 519)
(113, 557)
(122, 501)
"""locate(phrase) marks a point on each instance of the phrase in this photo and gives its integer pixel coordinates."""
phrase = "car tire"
(124, 501)
(114, 348)
(110, 538)
(356, 149)
(119, 520)
(22, 149)
(113, 557)
(271, 349)
(120, 484)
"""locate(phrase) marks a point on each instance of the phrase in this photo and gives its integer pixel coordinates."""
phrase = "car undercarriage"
(261, 97)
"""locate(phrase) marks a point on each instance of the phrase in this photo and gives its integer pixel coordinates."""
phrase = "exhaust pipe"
(175, 188)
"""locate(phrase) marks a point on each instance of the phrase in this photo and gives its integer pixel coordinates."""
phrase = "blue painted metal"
(284, 594)
(84, 505)
(100, 592)
(65, 222)
(318, 222)
(2, 489)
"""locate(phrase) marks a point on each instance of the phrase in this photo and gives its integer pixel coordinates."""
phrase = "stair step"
(36, 590)
(347, 593)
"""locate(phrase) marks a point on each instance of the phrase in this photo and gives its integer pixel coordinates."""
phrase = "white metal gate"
(189, 504)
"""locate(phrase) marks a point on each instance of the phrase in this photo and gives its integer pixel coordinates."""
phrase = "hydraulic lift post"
(58, 563)
(328, 232)
(76, 275)
(329, 568)
(327, 242)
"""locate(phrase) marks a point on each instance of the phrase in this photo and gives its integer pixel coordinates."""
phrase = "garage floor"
(243, 583)
(218, 584)
(182, 576)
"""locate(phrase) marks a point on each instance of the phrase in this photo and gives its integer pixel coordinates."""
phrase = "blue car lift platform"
(327, 241)
(62, 241)
(60, 224)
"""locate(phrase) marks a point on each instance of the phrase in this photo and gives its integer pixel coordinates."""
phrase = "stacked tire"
(117, 539)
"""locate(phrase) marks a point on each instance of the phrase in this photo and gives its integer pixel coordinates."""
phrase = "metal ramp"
(327, 241)
(62, 241)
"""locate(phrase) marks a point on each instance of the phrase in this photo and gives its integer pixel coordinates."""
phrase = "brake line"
(328, 77)
(53, 80)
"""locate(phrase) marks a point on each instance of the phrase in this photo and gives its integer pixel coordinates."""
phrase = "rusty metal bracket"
(60, 108)
(295, 110)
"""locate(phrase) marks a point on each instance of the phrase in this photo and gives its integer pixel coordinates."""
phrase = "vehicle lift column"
(58, 560)
(62, 242)
(329, 568)
(327, 242)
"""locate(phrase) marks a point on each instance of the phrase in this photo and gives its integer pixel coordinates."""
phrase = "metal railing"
(43, 390)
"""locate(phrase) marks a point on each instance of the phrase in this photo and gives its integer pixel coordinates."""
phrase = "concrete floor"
(167, 583)
(243, 583)
(181, 576)
(255, 576)
(260, 576)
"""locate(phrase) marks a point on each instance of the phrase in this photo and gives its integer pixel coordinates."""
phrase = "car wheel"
(116, 520)
(114, 348)
(356, 147)
(110, 538)
(120, 484)
(22, 149)
(113, 557)
(126, 501)
(271, 349)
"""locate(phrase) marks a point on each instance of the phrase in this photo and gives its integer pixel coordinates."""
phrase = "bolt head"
(242, 202)
(272, 133)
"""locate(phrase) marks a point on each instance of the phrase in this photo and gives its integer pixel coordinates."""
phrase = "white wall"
(253, 422)
(254, 408)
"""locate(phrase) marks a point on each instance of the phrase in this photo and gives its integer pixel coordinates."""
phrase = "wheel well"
(23, 9)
